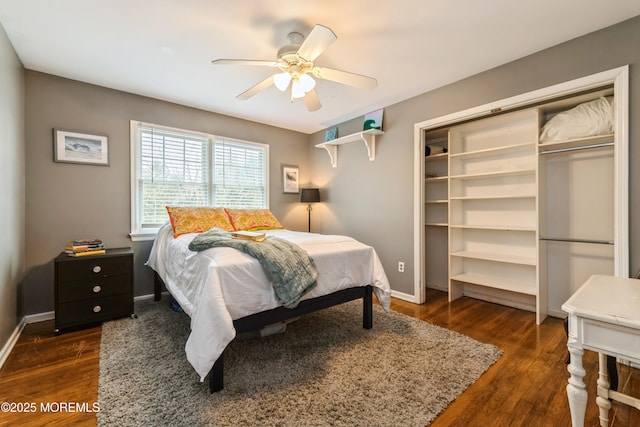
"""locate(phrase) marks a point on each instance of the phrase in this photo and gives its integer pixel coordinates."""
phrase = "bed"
(225, 291)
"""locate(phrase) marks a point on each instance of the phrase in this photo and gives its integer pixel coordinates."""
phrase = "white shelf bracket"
(332, 150)
(369, 140)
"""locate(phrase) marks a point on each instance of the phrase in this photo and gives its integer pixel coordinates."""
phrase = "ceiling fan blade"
(245, 62)
(311, 100)
(316, 42)
(351, 79)
(255, 89)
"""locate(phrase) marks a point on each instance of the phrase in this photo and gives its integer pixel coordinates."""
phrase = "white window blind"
(173, 169)
(176, 167)
(239, 174)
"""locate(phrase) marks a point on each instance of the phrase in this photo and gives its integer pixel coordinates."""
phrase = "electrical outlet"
(400, 266)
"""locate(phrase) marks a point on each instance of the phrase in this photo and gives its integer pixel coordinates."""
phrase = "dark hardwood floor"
(526, 387)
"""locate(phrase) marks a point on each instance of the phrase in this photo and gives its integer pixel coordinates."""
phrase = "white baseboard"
(145, 297)
(40, 317)
(403, 296)
(11, 342)
(35, 318)
(557, 313)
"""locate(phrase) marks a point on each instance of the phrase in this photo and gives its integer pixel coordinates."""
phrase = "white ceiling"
(163, 48)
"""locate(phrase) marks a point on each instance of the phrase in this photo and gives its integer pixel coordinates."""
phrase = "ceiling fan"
(296, 63)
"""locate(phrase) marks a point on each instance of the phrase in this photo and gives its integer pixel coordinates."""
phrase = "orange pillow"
(253, 219)
(191, 219)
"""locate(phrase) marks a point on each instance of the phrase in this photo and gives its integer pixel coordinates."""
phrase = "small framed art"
(373, 120)
(330, 134)
(83, 148)
(290, 179)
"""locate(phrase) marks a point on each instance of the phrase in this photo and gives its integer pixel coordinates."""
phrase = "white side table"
(604, 316)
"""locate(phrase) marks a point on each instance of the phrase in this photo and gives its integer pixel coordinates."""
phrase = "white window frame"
(140, 233)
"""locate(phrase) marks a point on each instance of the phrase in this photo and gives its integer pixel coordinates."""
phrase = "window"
(183, 168)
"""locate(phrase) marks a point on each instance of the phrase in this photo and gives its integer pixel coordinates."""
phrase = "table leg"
(603, 390)
(576, 390)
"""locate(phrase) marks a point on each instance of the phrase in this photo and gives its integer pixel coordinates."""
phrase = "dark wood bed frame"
(258, 321)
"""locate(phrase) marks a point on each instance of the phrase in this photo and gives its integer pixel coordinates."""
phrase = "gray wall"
(373, 201)
(66, 201)
(12, 189)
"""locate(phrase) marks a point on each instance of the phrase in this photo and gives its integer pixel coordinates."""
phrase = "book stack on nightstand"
(85, 247)
(91, 289)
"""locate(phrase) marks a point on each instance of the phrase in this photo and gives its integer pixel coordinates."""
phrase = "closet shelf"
(497, 282)
(501, 196)
(492, 174)
(511, 259)
(440, 156)
(494, 227)
(576, 143)
(493, 151)
(436, 179)
(366, 136)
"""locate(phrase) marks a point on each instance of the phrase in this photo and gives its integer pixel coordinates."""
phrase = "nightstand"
(92, 289)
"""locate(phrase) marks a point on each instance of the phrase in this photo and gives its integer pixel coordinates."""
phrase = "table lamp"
(309, 195)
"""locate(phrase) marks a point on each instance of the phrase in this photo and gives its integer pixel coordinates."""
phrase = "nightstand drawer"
(94, 288)
(89, 311)
(93, 267)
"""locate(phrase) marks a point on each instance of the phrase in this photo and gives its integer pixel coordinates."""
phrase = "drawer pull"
(97, 309)
(97, 269)
(97, 289)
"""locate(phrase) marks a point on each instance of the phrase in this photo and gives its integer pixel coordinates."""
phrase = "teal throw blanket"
(288, 267)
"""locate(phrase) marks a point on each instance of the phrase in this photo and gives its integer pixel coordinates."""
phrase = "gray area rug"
(324, 370)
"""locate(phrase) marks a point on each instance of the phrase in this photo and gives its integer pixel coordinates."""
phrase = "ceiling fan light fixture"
(282, 80)
(298, 71)
(307, 82)
(297, 90)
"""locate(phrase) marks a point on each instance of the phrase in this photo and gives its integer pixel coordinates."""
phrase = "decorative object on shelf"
(331, 134)
(290, 178)
(310, 195)
(373, 120)
(73, 147)
(430, 150)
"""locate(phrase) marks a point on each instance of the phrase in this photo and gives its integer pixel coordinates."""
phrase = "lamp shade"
(282, 80)
(309, 195)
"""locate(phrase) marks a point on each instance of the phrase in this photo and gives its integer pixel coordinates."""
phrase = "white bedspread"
(219, 285)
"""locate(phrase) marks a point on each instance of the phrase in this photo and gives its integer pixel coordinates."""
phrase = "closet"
(436, 200)
(521, 205)
(577, 222)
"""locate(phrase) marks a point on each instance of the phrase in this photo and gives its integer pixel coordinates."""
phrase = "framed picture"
(290, 179)
(331, 134)
(73, 147)
(373, 120)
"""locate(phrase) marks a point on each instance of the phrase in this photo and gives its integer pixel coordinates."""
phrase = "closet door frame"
(619, 77)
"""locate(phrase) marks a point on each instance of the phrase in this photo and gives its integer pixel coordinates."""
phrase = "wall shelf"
(366, 136)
